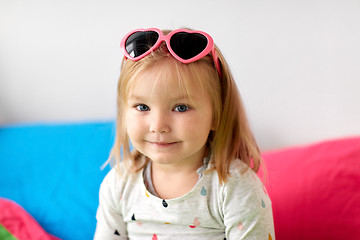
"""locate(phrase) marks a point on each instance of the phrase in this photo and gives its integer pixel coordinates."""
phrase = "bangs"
(168, 70)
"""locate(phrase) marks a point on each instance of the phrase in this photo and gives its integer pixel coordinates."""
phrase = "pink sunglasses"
(184, 45)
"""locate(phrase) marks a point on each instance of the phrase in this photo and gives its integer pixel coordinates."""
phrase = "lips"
(161, 144)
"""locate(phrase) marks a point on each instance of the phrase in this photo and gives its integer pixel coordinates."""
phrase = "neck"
(171, 181)
(175, 169)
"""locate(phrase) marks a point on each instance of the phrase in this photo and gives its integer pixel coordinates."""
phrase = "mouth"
(162, 144)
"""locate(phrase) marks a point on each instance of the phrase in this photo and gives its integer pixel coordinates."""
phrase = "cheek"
(198, 127)
(133, 127)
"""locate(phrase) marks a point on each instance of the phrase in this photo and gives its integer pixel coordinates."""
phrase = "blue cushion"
(53, 171)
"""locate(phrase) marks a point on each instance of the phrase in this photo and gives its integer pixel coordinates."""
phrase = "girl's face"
(167, 124)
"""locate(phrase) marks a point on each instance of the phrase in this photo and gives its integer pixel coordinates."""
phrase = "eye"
(142, 107)
(181, 108)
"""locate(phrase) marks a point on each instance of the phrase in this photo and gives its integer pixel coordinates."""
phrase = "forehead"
(166, 79)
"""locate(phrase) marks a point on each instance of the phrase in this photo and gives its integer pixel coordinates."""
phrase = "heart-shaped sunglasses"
(184, 45)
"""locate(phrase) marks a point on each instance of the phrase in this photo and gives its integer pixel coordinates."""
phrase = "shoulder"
(115, 181)
(241, 175)
(242, 186)
(243, 190)
(116, 175)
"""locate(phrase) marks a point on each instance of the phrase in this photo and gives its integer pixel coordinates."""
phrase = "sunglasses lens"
(140, 42)
(188, 45)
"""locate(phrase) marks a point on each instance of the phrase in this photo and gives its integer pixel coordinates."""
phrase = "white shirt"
(238, 209)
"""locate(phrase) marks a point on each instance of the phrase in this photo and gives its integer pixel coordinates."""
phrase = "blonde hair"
(231, 138)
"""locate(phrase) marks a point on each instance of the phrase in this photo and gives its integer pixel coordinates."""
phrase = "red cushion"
(315, 190)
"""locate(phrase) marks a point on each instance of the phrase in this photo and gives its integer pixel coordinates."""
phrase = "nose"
(159, 122)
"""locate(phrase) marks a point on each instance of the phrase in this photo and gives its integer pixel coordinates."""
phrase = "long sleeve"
(110, 224)
(247, 208)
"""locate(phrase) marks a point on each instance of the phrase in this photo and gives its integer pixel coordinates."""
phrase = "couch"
(53, 172)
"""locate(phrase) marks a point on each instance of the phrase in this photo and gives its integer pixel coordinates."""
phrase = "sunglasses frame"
(210, 47)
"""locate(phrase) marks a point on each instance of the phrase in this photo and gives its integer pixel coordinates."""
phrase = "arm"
(247, 208)
(110, 224)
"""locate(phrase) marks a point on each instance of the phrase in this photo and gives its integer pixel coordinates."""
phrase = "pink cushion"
(19, 224)
(315, 190)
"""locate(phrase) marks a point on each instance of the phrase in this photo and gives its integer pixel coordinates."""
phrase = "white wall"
(297, 63)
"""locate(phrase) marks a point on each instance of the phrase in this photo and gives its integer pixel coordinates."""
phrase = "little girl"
(192, 171)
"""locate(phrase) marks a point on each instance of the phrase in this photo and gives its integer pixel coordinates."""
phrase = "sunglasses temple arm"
(216, 61)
